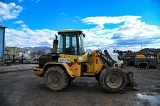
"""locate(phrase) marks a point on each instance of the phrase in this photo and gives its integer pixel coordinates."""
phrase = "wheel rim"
(114, 80)
(54, 79)
(116, 65)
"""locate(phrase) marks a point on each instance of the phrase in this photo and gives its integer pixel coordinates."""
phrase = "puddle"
(154, 100)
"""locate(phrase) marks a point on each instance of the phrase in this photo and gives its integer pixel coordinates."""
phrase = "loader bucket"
(143, 65)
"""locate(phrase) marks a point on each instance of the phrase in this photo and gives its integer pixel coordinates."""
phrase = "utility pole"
(141, 46)
(43, 52)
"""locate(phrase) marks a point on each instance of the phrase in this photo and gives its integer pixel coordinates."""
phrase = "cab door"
(70, 45)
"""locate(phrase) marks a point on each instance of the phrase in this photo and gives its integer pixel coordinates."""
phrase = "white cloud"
(36, 1)
(20, 22)
(25, 37)
(137, 28)
(130, 33)
(20, 1)
(63, 14)
(101, 20)
(9, 11)
(96, 42)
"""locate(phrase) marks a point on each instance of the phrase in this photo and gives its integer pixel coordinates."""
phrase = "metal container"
(2, 40)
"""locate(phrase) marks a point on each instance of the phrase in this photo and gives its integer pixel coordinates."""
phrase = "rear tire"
(56, 78)
(113, 79)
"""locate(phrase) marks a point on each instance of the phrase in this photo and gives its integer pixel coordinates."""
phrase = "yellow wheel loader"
(69, 60)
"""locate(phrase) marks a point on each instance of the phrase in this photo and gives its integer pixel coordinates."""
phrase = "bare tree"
(36, 54)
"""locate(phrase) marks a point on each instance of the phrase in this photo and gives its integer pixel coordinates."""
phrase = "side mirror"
(84, 35)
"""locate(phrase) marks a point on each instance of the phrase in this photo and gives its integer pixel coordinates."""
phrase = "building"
(26, 54)
(2, 40)
(11, 52)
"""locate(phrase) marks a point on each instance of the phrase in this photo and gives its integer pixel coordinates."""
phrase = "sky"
(107, 24)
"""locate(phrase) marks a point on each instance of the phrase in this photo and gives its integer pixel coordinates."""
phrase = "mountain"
(32, 49)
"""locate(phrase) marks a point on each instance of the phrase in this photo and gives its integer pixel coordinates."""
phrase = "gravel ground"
(19, 86)
(19, 67)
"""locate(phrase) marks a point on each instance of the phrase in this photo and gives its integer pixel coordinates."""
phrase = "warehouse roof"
(1, 26)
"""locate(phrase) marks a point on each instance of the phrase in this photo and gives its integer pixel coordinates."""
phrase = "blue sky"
(108, 24)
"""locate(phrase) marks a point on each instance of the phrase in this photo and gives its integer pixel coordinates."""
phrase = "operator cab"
(71, 42)
(71, 45)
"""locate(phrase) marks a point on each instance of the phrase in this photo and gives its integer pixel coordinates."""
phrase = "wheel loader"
(69, 60)
(146, 59)
(127, 56)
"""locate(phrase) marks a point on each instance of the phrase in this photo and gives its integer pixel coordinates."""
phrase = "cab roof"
(67, 31)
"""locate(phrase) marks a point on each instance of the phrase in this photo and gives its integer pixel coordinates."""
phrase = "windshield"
(71, 43)
(67, 43)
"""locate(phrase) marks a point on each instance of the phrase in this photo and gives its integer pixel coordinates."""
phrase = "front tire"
(113, 79)
(56, 78)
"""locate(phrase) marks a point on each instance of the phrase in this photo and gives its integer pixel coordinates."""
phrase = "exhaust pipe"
(55, 45)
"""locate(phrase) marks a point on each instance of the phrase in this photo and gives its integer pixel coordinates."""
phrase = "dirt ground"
(19, 86)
